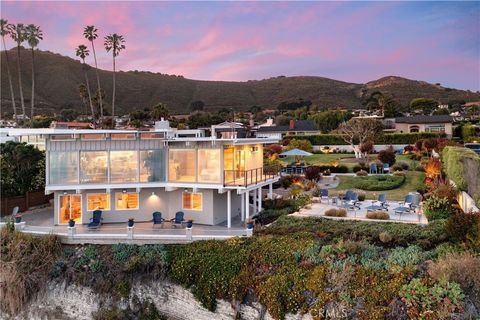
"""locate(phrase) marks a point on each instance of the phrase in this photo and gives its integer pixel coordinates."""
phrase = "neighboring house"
(71, 125)
(436, 124)
(229, 130)
(295, 127)
(128, 173)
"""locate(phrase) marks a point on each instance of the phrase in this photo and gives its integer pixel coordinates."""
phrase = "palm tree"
(115, 43)
(33, 36)
(5, 30)
(84, 95)
(90, 33)
(82, 52)
(17, 32)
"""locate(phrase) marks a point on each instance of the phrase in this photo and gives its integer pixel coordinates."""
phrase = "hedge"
(462, 166)
(388, 138)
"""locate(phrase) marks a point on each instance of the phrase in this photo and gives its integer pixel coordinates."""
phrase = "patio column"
(259, 201)
(254, 201)
(229, 209)
(270, 191)
(242, 210)
(247, 206)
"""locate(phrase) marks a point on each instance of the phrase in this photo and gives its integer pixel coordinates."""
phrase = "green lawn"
(414, 181)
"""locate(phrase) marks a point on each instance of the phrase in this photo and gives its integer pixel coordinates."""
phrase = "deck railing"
(247, 177)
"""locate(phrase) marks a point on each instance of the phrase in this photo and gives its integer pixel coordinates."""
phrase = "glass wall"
(123, 166)
(98, 201)
(93, 166)
(152, 165)
(126, 201)
(63, 167)
(181, 165)
(208, 166)
(70, 208)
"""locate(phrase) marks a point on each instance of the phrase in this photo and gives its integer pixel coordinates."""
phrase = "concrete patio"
(317, 209)
(41, 222)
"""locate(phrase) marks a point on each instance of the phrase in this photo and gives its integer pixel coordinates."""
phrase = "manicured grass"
(414, 181)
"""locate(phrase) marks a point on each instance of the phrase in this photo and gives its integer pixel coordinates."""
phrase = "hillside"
(58, 77)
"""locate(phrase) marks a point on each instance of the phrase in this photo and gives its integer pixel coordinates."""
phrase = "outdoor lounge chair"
(386, 168)
(15, 211)
(350, 201)
(96, 220)
(157, 218)
(380, 204)
(178, 220)
(405, 206)
(373, 168)
(324, 195)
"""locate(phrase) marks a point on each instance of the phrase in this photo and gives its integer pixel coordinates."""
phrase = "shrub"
(464, 227)
(388, 138)
(336, 212)
(399, 174)
(361, 197)
(380, 215)
(437, 301)
(409, 148)
(397, 167)
(362, 173)
(313, 173)
(387, 156)
(385, 237)
(420, 168)
(378, 182)
(403, 164)
(301, 144)
(286, 181)
(462, 165)
(458, 267)
(436, 208)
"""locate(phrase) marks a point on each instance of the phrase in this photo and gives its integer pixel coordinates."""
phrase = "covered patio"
(41, 222)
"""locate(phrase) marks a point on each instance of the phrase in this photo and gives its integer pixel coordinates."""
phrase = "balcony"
(244, 178)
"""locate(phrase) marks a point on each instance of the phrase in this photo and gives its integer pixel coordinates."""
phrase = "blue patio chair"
(405, 206)
(96, 220)
(380, 204)
(373, 168)
(157, 218)
(324, 195)
(386, 168)
(350, 201)
(348, 195)
(178, 220)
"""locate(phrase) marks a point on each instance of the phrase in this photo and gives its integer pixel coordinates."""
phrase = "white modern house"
(131, 174)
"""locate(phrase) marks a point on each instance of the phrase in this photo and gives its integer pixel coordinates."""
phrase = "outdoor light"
(124, 190)
(64, 192)
(153, 193)
(186, 190)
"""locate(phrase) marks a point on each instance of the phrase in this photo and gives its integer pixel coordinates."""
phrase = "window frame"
(122, 193)
(100, 193)
(192, 194)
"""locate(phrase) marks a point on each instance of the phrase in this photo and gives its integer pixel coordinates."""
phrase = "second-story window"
(123, 166)
(209, 165)
(93, 166)
(63, 167)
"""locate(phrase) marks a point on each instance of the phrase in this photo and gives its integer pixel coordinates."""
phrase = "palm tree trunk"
(89, 95)
(20, 83)
(98, 81)
(33, 85)
(10, 80)
(113, 94)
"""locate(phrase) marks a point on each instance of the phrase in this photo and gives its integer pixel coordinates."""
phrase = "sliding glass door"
(70, 208)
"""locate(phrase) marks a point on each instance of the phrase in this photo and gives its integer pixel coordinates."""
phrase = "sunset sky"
(349, 41)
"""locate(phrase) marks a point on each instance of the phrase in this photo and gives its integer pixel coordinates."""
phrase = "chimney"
(292, 124)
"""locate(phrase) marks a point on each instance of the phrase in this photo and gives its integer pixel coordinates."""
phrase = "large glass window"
(70, 208)
(93, 167)
(181, 165)
(126, 201)
(123, 166)
(152, 165)
(209, 165)
(63, 168)
(192, 201)
(98, 201)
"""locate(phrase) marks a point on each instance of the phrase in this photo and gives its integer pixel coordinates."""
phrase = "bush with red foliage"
(313, 173)
(387, 156)
(274, 148)
(409, 148)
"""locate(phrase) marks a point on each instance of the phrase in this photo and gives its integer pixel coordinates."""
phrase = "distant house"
(436, 124)
(71, 125)
(295, 127)
(229, 130)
